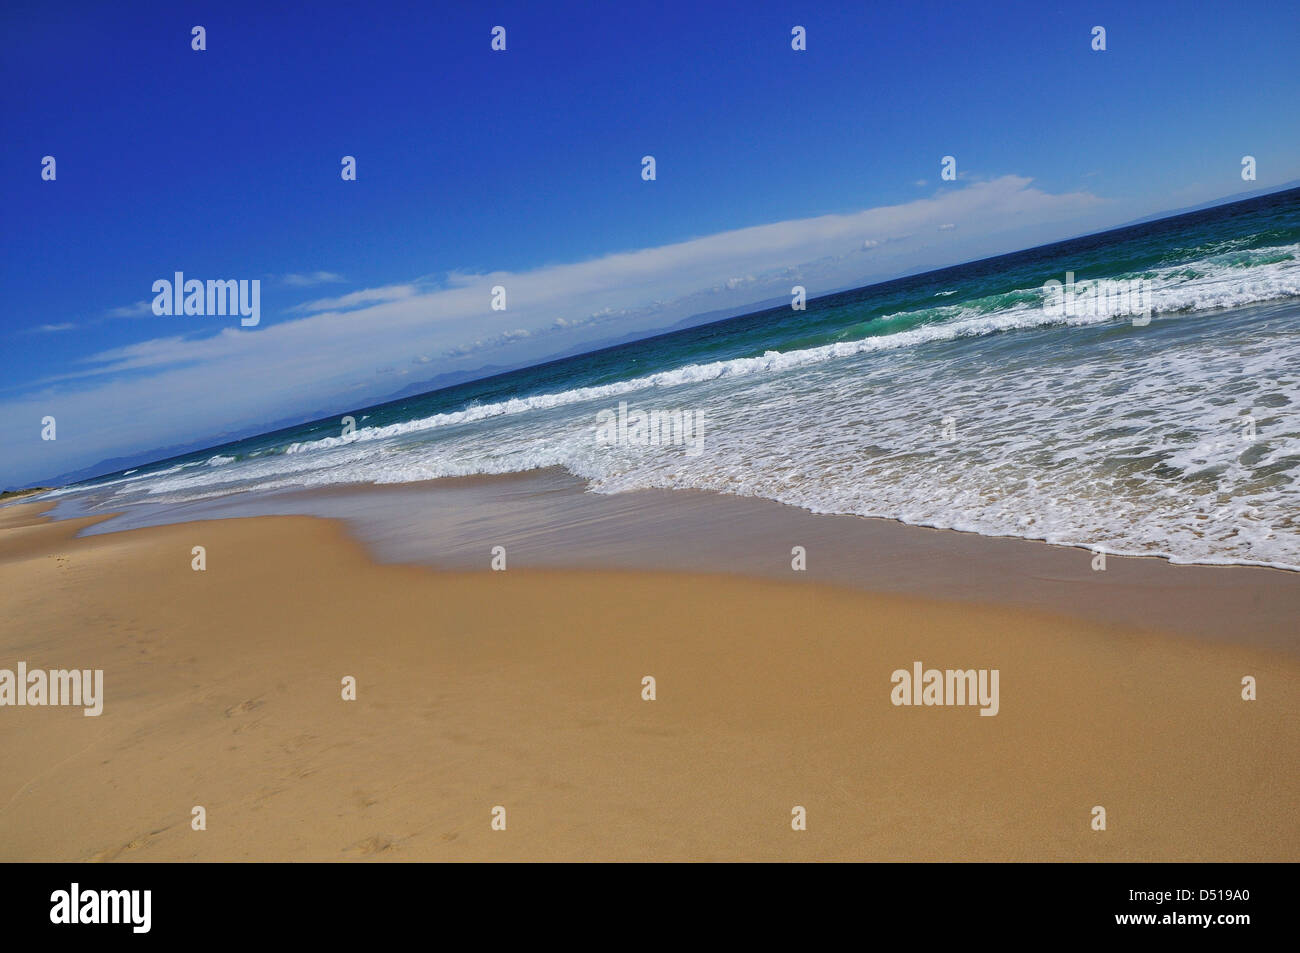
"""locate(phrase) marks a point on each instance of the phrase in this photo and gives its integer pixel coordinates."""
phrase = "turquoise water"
(955, 398)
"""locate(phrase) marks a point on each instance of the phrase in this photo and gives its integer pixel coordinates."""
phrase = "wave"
(1219, 287)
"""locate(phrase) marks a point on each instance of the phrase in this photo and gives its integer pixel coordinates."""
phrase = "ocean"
(957, 399)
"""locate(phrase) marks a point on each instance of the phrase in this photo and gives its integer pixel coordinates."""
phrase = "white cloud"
(357, 298)
(138, 310)
(312, 279)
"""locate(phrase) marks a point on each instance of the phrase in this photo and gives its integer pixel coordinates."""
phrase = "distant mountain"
(163, 454)
(451, 379)
(1227, 200)
(707, 317)
(125, 463)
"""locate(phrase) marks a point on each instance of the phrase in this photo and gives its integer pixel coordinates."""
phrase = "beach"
(665, 433)
(523, 689)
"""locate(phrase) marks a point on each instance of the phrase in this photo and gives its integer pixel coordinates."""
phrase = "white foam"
(1222, 287)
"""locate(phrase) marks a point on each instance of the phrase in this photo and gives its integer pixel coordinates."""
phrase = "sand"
(523, 689)
(547, 519)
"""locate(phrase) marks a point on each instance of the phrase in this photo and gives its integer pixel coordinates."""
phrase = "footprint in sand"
(244, 708)
(112, 853)
(372, 845)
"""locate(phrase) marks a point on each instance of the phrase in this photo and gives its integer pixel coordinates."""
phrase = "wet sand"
(545, 519)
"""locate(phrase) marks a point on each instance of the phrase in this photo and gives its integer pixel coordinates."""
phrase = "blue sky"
(523, 169)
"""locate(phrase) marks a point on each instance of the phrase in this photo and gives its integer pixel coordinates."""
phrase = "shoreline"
(559, 475)
(522, 689)
(547, 519)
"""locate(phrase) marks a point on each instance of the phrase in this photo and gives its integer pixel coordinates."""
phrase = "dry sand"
(523, 689)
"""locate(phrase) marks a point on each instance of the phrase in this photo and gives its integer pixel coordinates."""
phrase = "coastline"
(523, 689)
(548, 520)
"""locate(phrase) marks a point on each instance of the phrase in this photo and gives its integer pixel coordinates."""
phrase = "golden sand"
(523, 689)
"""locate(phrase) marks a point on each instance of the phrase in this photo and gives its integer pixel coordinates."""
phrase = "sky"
(522, 168)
